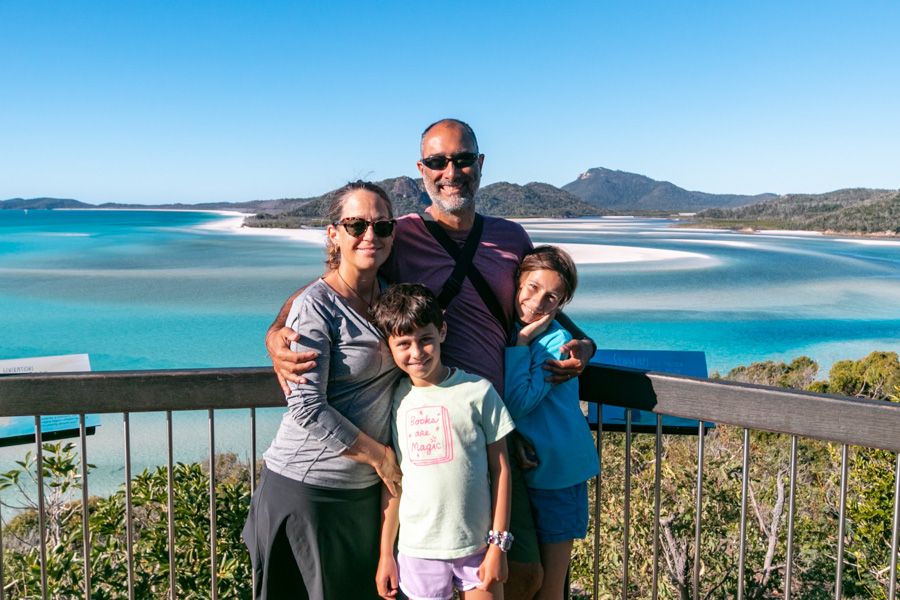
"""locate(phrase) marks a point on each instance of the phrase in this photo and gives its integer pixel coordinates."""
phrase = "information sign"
(676, 362)
(20, 430)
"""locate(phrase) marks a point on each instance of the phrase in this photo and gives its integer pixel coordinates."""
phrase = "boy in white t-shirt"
(448, 432)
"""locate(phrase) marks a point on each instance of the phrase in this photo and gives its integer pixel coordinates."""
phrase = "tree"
(869, 514)
(107, 525)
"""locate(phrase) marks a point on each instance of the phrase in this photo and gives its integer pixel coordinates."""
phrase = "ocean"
(156, 290)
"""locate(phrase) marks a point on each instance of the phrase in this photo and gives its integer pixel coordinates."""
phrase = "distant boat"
(26, 211)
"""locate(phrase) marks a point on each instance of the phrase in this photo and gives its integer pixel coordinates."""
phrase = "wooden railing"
(843, 420)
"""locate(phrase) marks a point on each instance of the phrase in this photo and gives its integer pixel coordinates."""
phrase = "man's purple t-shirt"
(475, 340)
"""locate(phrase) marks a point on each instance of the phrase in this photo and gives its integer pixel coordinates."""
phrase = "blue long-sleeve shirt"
(549, 414)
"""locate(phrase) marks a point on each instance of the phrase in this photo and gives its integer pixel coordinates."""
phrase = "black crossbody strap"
(463, 257)
(488, 297)
(464, 267)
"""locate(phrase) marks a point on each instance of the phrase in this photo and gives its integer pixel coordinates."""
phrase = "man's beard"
(449, 204)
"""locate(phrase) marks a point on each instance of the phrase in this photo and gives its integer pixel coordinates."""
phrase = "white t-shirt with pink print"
(441, 434)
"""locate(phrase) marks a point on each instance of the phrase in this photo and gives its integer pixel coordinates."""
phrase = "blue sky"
(200, 101)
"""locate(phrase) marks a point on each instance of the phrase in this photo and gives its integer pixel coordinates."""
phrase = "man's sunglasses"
(460, 160)
(357, 227)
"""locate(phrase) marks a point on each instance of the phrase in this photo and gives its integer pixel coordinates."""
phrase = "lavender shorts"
(434, 579)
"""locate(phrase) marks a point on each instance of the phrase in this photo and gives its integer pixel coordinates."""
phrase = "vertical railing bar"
(657, 479)
(789, 559)
(129, 516)
(170, 518)
(212, 506)
(698, 507)
(626, 514)
(252, 450)
(85, 515)
(895, 538)
(42, 522)
(842, 518)
(598, 480)
(2, 581)
(252, 485)
(745, 486)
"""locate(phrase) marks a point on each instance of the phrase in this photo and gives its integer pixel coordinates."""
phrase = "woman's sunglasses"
(460, 160)
(357, 227)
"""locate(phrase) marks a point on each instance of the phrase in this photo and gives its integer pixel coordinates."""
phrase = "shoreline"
(584, 254)
(194, 210)
(829, 233)
(293, 233)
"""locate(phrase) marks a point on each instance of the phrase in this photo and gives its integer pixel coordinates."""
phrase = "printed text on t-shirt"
(428, 435)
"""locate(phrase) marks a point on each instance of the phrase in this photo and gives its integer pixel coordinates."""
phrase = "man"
(477, 320)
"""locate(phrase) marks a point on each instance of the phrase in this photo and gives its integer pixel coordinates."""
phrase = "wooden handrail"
(855, 421)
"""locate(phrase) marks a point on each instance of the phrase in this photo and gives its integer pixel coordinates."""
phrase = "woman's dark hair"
(405, 307)
(551, 258)
(336, 207)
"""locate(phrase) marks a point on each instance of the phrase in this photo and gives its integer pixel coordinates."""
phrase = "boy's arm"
(493, 568)
(581, 350)
(288, 365)
(387, 578)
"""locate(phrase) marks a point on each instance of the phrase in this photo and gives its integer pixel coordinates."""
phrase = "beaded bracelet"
(501, 539)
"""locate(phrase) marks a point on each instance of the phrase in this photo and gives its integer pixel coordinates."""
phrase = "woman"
(313, 525)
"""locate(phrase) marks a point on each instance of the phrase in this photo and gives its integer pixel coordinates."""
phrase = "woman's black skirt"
(313, 542)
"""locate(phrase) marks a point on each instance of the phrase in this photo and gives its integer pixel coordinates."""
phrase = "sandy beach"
(583, 254)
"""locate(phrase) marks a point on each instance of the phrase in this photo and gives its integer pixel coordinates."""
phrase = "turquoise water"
(140, 290)
(151, 290)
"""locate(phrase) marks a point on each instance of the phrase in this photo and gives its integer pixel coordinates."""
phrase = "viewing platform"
(665, 527)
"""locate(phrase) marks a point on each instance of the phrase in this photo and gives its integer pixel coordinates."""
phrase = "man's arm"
(580, 350)
(493, 568)
(288, 365)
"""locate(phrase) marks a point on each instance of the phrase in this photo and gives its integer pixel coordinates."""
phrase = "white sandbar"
(235, 224)
(597, 254)
(582, 253)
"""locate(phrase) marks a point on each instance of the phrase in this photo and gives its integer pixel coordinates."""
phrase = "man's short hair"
(404, 307)
(465, 126)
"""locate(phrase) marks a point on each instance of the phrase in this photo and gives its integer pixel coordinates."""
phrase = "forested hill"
(597, 192)
(41, 203)
(404, 193)
(497, 199)
(64, 203)
(857, 210)
(532, 200)
(622, 191)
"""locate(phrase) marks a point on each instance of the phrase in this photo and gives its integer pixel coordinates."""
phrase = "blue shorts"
(560, 515)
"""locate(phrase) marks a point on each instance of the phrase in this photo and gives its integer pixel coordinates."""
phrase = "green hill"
(596, 192)
(622, 191)
(407, 195)
(404, 193)
(532, 200)
(855, 210)
(41, 204)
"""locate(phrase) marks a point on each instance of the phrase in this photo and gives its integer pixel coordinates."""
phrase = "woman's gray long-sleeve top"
(348, 391)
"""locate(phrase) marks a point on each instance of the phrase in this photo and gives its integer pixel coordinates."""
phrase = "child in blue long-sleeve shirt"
(549, 415)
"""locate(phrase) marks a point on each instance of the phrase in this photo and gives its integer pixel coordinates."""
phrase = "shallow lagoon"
(151, 290)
